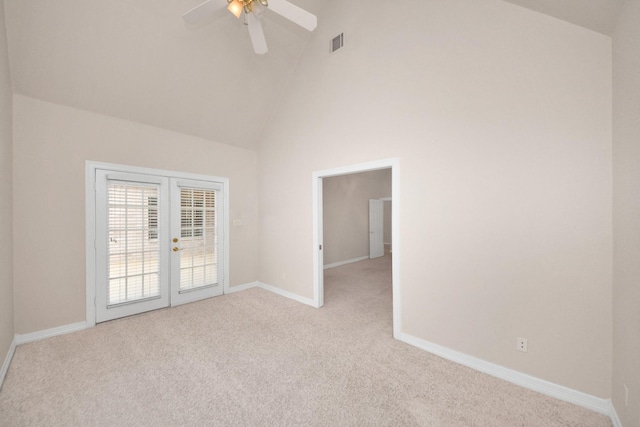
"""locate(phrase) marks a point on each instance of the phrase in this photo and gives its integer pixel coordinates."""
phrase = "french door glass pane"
(133, 242)
(198, 255)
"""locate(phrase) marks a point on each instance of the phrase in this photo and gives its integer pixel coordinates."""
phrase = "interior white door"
(197, 240)
(376, 228)
(131, 244)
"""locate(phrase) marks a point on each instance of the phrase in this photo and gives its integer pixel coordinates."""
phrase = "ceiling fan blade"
(294, 14)
(203, 10)
(256, 34)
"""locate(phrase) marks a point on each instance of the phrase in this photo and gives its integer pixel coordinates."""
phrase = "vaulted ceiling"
(596, 15)
(139, 61)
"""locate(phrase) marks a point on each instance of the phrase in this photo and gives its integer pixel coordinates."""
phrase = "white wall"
(501, 120)
(51, 145)
(6, 199)
(346, 212)
(626, 206)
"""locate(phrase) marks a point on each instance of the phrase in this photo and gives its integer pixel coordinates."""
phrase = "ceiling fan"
(252, 10)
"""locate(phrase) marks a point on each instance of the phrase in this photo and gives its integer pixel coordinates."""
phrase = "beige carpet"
(257, 359)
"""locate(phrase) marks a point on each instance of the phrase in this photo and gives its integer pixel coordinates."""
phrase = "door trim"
(90, 222)
(318, 228)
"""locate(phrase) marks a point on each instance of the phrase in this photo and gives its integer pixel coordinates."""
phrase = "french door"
(159, 242)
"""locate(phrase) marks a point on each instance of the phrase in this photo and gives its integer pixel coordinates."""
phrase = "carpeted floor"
(254, 358)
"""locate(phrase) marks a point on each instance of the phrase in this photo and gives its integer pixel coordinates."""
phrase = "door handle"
(175, 249)
(175, 240)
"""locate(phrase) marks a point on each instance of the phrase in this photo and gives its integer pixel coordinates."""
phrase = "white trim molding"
(317, 209)
(286, 294)
(347, 261)
(37, 336)
(48, 333)
(7, 361)
(615, 420)
(239, 288)
(597, 404)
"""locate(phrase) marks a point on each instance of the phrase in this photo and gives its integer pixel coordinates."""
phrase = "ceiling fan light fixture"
(252, 10)
(236, 7)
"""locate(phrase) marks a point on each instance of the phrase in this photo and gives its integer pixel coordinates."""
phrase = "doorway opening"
(319, 228)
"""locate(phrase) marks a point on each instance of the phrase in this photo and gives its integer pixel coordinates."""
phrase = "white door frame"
(318, 229)
(90, 222)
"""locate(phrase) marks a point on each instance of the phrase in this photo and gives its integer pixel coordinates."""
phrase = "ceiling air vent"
(337, 42)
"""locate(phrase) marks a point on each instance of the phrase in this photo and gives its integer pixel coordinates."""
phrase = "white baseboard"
(597, 404)
(614, 415)
(600, 405)
(348, 261)
(7, 361)
(243, 287)
(79, 326)
(48, 333)
(286, 294)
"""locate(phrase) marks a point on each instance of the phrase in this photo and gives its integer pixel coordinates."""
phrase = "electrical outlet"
(626, 395)
(522, 344)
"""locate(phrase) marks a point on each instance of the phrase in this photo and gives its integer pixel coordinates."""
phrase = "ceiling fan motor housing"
(248, 4)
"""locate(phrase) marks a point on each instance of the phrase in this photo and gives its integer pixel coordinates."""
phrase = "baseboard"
(243, 287)
(348, 261)
(48, 333)
(79, 326)
(614, 415)
(600, 405)
(286, 294)
(7, 361)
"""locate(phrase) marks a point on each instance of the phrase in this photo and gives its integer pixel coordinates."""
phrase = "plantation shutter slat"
(199, 255)
(133, 252)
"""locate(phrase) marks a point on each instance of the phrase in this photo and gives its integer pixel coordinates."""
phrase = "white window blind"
(133, 253)
(199, 255)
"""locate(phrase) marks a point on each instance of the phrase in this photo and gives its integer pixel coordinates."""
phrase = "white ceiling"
(137, 60)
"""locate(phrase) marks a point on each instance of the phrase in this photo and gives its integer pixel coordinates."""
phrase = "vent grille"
(337, 42)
